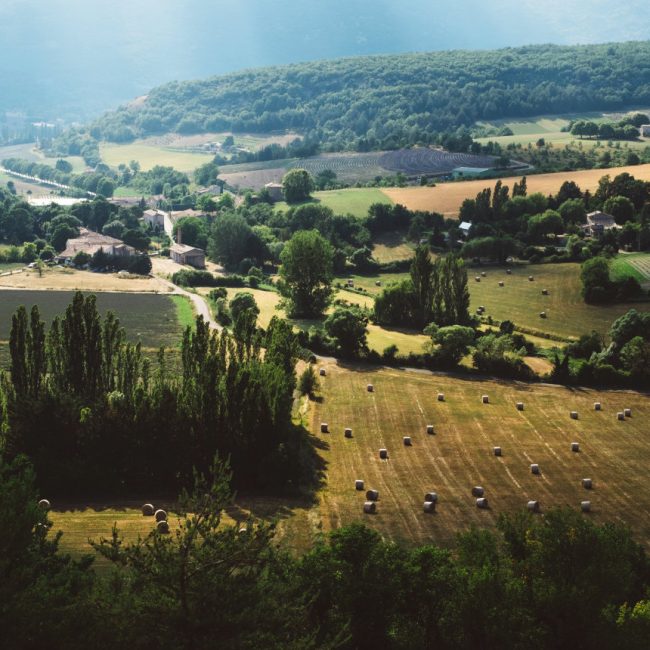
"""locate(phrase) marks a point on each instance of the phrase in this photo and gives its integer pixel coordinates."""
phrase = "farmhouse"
(471, 172)
(275, 191)
(90, 242)
(598, 222)
(154, 218)
(183, 254)
(645, 130)
(181, 214)
(465, 228)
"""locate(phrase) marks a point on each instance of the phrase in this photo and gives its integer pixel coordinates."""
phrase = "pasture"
(354, 201)
(149, 318)
(460, 455)
(521, 301)
(149, 156)
(447, 198)
(392, 247)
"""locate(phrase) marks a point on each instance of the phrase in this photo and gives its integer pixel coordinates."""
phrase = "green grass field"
(521, 301)
(635, 265)
(184, 311)
(614, 454)
(149, 156)
(150, 318)
(355, 201)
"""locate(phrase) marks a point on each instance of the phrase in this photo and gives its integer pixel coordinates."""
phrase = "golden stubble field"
(447, 198)
(460, 455)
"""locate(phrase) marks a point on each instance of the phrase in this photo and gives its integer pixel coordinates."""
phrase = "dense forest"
(383, 101)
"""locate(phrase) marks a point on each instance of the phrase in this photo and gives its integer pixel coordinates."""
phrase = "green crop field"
(635, 265)
(459, 456)
(355, 201)
(521, 301)
(150, 155)
(150, 318)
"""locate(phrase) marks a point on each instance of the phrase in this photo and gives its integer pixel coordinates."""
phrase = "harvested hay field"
(460, 454)
(521, 301)
(448, 197)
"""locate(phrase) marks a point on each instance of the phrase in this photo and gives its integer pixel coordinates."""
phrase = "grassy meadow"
(354, 201)
(151, 155)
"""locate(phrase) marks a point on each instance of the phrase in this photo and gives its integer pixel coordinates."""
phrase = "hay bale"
(44, 504)
(545, 292)
(372, 495)
(429, 507)
(497, 451)
(482, 503)
(162, 527)
(520, 406)
(502, 283)
(322, 372)
(160, 515)
(324, 427)
(573, 415)
(597, 406)
(243, 530)
(477, 278)
(431, 496)
(483, 274)
(508, 271)
(620, 415)
(358, 484)
(407, 441)
(370, 388)
(533, 506)
(534, 468)
(575, 446)
(148, 510)
(347, 433)
(542, 314)
(383, 454)
(430, 430)
(370, 507)
(530, 278)
(441, 397)
(477, 491)
(378, 283)
(587, 483)
(485, 399)
(627, 413)
(585, 506)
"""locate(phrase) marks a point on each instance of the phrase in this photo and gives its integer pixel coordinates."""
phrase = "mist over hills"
(74, 59)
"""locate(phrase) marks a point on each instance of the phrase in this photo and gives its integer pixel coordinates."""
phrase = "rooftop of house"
(182, 249)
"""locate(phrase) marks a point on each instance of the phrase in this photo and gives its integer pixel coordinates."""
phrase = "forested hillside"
(385, 101)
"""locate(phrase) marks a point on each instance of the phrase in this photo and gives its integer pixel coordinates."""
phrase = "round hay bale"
(324, 428)
(575, 446)
(483, 274)
(481, 307)
(520, 406)
(429, 507)
(160, 515)
(534, 468)
(585, 506)
(587, 483)
(431, 496)
(497, 451)
(322, 372)
(358, 484)
(597, 406)
(545, 292)
(372, 495)
(482, 503)
(477, 491)
(243, 530)
(533, 506)
(508, 271)
(542, 314)
(378, 283)
(574, 415)
(627, 413)
(44, 504)
(370, 388)
(407, 441)
(502, 283)
(162, 527)
(383, 454)
(430, 430)
(370, 507)
(477, 278)
(485, 399)
(347, 433)
(531, 278)
(620, 415)
(441, 397)
(148, 510)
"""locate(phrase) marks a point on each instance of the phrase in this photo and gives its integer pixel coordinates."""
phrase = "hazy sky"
(79, 56)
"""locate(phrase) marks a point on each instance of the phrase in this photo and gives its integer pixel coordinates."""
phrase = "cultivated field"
(459, 456)
(150, 155)
(149, 318)
(391, 247)
(636, 265)
(355, 201)
(29, 152)
(448, 197)
(521, 301)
